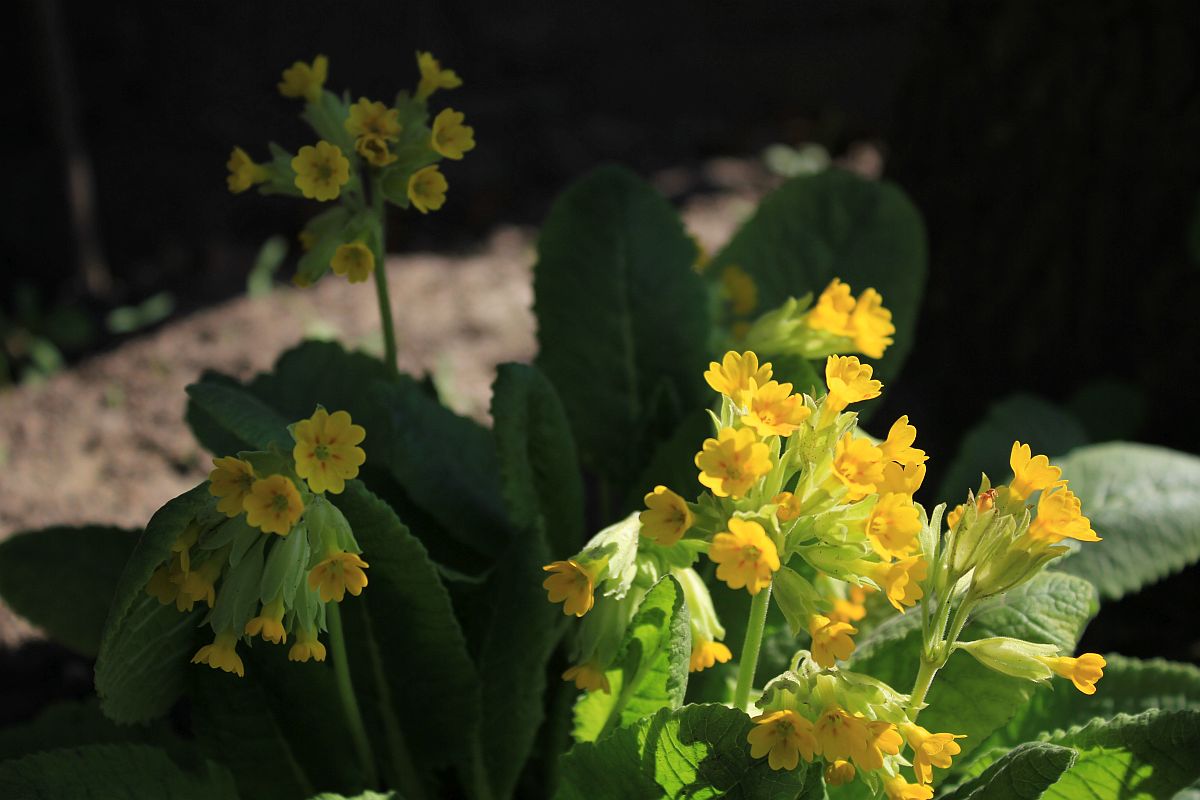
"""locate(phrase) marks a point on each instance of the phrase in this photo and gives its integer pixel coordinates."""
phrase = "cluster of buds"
(366, 152)
(269, 550)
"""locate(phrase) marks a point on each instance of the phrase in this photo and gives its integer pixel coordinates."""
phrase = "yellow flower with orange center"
(666, 518)
(269, 623)
(221, 654)
(849, 381)
(783, 737)
(321, 171)
(901, 580)
(744, 555)
(1060, 516)
(433, 77)
(899, 444)
(1030, 473)
(893, 525)
(788, 506)
(831, 640)
(367, 118)
(572, 584)
(243, 172)
(1083, 671)
(427, 189)
(772, 409)
(307, 646)
(305, 80)
(588, 677)
(733, 462)
(733, 375)
(337, 574)
(450, 137)
(230, 481)
(931, 750)
(273, 505)
(355, 261)
(705, 654)
(857, 464)
(326, 451)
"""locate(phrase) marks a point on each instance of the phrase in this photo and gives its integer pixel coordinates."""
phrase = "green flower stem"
(925, 677)
(937, 652)
(341, 671)
(748, 661)
(381, 284)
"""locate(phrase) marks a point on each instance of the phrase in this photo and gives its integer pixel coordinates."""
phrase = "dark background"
(1053, 149)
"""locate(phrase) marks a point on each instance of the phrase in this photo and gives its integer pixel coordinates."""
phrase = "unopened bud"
(1014, 657)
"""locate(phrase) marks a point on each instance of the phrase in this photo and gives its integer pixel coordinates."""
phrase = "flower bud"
(1014, 657)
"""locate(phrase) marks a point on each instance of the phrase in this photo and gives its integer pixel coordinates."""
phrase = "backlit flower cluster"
(836, 323)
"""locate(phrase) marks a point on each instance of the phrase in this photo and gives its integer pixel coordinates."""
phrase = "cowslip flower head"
(740, 290)
(273, 505)
(772, 409)
(901, 580)
(354, 261)
(849, 381)
(831, 640)
(744, 555)
(337, 574)
(1030, 473)
(666, 518)
(839, 773)
(305, 80)
(898, 446)
(858, 465)
(427, 189)
(588, 677)
(243, 172)
(733, 462)
(733, 375)
(374, 150)
(221, 654)
(573, 584)
(230, 480)
(433, 77)
(269, 623)
(450, 137)
(893, 526)
(321, 171)
(931, 750)
(705, 654)
(326, 451)
(369, 118)
(783, 737)
(1060, 516)
(871, 325)
(307, 646)
(1083, 671)
(898, 788)
(832, 310)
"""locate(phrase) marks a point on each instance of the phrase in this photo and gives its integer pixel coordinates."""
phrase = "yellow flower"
(571, 584)
(182, 546)
(307, 646)
(851, 609)
(1083, 671)
(772, 409)
(733, 375)
(373, 119)
(740, 290)
(788, 506)
(901, 480)
(433, 77)
(337, 574)
(374, 150)
(230, 481)
(901, 580)
(745, 555)
(303, 80)
(354, 260)
(898, 788)
(588, 677)
(269, 622)
(849, 381)
(832, 310)
(427, 189)
(858, 464)
(321, 171)
(164, 583)
(327, 452)
(840, 736)
(706, 653)
(931, 750)
(221, 654)
(1030, 474)
(831, 640)
(899, 444)
(274, 505)
(666, 518)
(199, 584)
(839, 773)
(783, 737)
(1060, 516)
(450, 137)
(733, 462)
(243, 173)
(893, 526)
(882, 739)
(871, 324)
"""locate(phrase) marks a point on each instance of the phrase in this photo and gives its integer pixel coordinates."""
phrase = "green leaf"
(76, 571)
(1144, 502)
(1044, 426)
(650, 670)
(241, 414)
(967, 697)
(673, 463)
(1023, 773)
(623, 320)
(73, 724)
(539, 467)
(836, 225)
(111, 772)
(145, 646)
(699, 751)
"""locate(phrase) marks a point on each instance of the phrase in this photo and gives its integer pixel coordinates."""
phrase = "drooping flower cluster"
(270, 550)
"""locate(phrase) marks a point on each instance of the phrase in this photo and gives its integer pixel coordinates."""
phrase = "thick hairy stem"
(749, 658)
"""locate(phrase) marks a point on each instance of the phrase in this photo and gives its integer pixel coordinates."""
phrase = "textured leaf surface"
(73, 724)
(1023, 773)
(110, 772)
(242, 415)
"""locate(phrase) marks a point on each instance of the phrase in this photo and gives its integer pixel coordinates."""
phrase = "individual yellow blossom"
(427, 189)
(841, 736)
(243, 172)
(788, 506)
(572, 584)
(857, 464)
(851, 609)
(898, 788)
(355, 261)
(433, 77)
(182, 546)
(832, 310)
(831, 640)
(269, 622)
(849, 381)
(901, 580)
(274, 505)
(164, 583)
(1060, 516)
(1083, 671)
(893, 526)
(871, 325)
(899, 444)
(772, 409)
(930, 750)
(307, 646)
(338, 573)
(374, 150)
(901, 480)
(305, 80)
(783, 737)
(588, 677)
(883, 739)
(744, 555)
(230, 481)
(321, 171)
(839, 773)
(221, 654)
(450, 138)
(1030, 474)
(369, 118)
(666, 518)
(733, 462)
(733, 375)
(199, 584)
(740, 290)
(326, 451)
(706, 653)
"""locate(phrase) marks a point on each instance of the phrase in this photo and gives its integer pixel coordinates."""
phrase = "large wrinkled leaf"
(73, 724)
(242, 415)
(1023, 773)
(111, 772)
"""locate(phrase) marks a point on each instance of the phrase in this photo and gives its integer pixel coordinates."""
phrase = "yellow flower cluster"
(864, 320)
